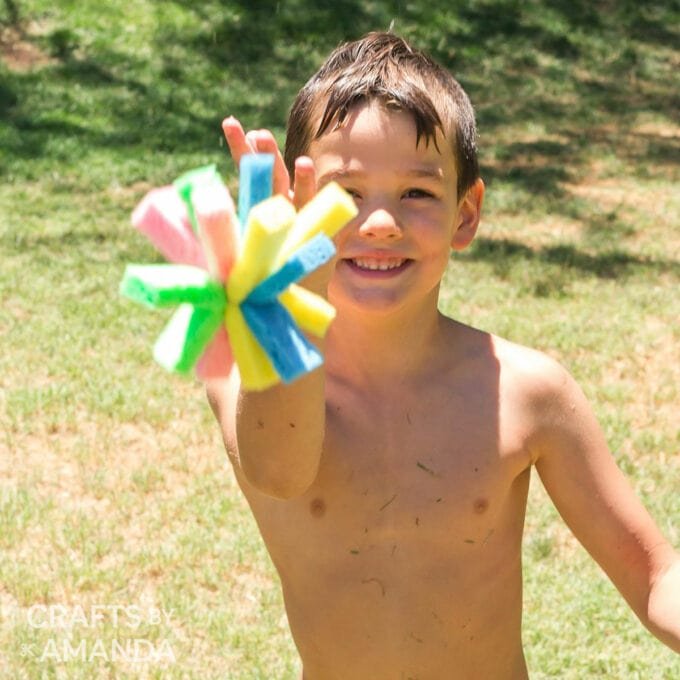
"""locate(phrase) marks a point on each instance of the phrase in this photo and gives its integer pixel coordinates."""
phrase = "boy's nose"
(381, 224)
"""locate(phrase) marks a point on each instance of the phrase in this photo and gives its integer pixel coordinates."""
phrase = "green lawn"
(114, 489)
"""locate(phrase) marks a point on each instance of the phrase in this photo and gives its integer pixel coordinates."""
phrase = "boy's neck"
(374, 350)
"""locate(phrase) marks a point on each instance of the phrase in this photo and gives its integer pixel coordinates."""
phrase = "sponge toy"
(235, 286)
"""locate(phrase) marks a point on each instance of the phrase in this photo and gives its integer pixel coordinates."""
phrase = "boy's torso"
(403, 558)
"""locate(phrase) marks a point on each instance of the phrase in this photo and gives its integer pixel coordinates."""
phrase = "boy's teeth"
(382, 265)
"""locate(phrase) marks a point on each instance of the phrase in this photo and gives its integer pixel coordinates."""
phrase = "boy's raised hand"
(263, 141)
(304, 184)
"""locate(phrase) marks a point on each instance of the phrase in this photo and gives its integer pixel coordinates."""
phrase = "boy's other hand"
(263, 141)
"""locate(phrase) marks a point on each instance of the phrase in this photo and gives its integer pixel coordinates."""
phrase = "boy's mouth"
(378, 264)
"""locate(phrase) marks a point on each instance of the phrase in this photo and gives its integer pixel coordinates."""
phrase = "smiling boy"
(390, 485)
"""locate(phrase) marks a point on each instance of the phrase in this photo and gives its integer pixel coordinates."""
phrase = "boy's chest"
(419, 468)
(406, 474)
(412, 529)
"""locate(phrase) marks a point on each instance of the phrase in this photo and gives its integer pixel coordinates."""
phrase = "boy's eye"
(353, 193)
(417, 193)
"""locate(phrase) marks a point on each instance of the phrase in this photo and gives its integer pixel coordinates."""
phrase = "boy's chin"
(403, 296)
(372, 303)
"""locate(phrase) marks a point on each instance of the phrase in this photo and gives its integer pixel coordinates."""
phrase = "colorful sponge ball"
(235, 286)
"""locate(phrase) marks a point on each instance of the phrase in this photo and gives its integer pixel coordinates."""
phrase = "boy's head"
(383, 67)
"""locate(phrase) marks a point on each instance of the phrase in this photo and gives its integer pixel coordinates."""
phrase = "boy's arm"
(274, 437)
(600, 507)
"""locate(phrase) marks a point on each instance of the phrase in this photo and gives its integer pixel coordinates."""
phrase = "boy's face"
(397, 248)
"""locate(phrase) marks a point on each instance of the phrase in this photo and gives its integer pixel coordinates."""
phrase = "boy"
(390, 485)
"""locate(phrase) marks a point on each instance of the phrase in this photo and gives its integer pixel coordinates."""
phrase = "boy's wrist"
(663, 610)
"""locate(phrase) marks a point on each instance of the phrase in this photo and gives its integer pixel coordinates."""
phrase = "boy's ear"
(467, 216)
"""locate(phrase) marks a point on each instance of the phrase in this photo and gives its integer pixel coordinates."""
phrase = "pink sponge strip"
(217, 227)
(217, 360)
(218, 230)
(162, 217)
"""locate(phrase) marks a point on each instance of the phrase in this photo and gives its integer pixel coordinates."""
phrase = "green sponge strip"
(165, 285)
(186, 183)
(183, 340)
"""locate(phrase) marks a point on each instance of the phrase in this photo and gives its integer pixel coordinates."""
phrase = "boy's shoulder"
(533, 400)
(536, 369)
(523, 362)
(525, 376)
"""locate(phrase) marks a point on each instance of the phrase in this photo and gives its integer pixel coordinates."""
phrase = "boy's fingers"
(236, 139)
(265, 142)
(251, 140)
(304, 186)
(259, 141)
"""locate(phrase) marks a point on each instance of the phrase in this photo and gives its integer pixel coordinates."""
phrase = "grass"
(114, 489)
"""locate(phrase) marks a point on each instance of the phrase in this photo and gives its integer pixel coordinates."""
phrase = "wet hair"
(384, 67)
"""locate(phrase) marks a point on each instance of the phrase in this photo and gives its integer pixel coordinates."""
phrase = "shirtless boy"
(390, 485)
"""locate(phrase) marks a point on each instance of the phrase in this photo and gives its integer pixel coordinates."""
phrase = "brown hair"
(385, 67)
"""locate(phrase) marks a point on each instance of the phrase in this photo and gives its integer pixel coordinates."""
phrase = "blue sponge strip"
(304, 260)
(256, 172)
(291, 354)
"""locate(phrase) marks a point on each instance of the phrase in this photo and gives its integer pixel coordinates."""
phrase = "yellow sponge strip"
(327, 212)
(268, 224)
(309, 310)
(257, 372)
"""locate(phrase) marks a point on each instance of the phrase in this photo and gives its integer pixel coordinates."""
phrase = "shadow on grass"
(150, 115)
(11, 11)
(570, 68)
(612, 264)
